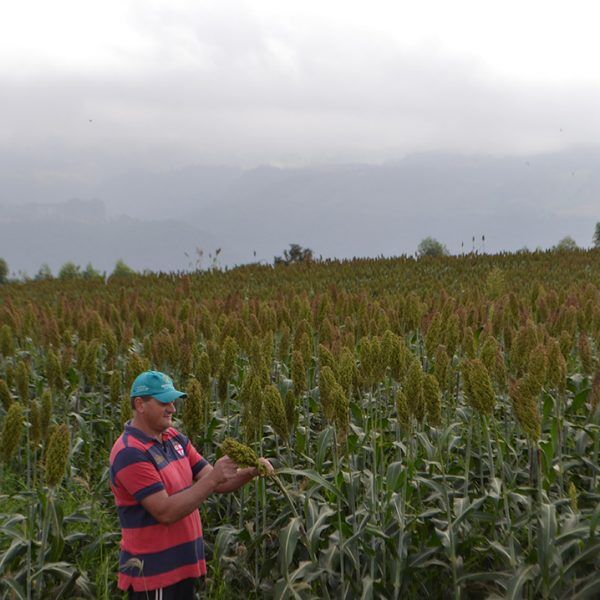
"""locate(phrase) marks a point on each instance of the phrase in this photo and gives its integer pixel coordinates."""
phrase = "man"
(159, 480)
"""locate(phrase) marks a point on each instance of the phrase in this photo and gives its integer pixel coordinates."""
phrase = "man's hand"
(224, 470)
(268, 467)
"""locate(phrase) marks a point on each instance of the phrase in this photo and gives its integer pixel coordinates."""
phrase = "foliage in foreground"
(434, 424)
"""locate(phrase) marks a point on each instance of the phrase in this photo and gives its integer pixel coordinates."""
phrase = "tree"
(431, 247)
(567, 244)
(596, 239)
(69, 271)
(44, 273)
(296, 254)
(122, 270)
(89, 272)
(3, 271)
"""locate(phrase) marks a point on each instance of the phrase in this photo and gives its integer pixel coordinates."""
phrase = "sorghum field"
(433, 424)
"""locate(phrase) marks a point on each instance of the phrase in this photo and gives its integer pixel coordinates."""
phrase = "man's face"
(157, 415)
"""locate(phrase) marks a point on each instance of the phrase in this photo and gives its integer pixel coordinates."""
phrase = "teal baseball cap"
(156, 384)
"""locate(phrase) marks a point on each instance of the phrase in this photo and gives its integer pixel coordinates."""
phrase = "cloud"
(224, 82)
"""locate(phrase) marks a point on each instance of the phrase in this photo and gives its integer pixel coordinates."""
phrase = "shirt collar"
(144, 437)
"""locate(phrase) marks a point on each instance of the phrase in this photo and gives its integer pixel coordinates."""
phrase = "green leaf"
(16, 549)
(288, 539)
(321, 523)
(516, 583)
(590, 591)
(367, 589)
(312, 475)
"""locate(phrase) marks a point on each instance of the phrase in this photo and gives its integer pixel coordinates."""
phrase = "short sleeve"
(134, 471)
(197, 462)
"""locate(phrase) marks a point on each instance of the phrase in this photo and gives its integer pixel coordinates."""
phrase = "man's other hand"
(224, 470)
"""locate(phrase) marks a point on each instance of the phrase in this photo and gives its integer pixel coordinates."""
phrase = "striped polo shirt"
(140, 465)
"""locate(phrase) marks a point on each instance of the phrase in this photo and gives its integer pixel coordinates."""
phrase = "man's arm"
(169, 509)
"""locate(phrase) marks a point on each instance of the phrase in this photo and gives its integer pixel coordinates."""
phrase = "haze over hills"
(153, 219)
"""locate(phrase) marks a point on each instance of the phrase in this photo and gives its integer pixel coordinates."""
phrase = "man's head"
(152, 396)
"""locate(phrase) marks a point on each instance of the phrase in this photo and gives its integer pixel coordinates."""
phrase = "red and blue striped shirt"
(140, 466)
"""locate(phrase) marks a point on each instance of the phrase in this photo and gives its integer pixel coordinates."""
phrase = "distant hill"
(341, 210)
(55, 233)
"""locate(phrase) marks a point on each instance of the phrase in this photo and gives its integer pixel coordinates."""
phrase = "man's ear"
(138, 405)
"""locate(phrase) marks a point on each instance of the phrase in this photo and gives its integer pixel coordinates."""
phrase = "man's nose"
(170, 407)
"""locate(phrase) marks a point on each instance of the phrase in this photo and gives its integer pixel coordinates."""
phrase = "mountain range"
(173, 219)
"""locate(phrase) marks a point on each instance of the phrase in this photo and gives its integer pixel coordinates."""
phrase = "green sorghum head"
(126, 412)
(275, 411)
(537, 368)
(495, 283)
(433, 335)
(12, 431)
(347, 370)
(289, 402)
(214, 355)
(402, 411)
(193, 409)
(46, 411)
(441, 367)
(90, 364)
(526, 410)
(115, 388)
(594, 397)
(585, 354)
(243, 456)
(135, 365)
(35, 422)
(489, 351)
(22, 377)
(298, 372)
(305, 347)
(203, 370)
(57, 454)
(388, 344)
(566, 343)
(468, 343)
(433, 400)
(556, 374)
(110, 343)
(54, 373)
(268, 347)
(451, 334)
(400, 359)
(251, 397)
(7, 341)
(367, 360)
(326, 358)
(342, 411)
(283, 346)
(327, 385)
(80, 354)
(5, 395)
(477, 386)
(256, 353)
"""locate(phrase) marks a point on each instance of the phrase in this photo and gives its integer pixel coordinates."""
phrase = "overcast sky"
(88, 88)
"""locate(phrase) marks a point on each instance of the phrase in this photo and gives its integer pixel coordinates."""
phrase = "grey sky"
(133, 102)
(173, 83)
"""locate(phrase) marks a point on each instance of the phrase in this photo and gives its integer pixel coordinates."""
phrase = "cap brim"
(169, 396)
